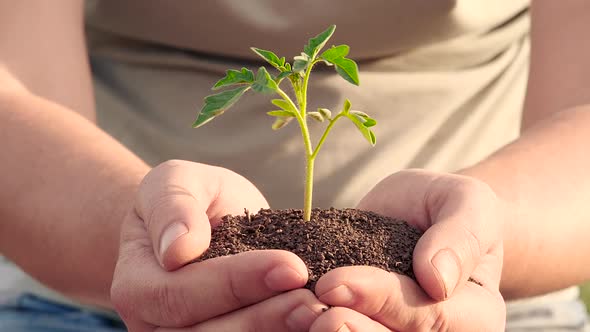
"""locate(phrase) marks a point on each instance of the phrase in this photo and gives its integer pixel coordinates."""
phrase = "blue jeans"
(30, 313)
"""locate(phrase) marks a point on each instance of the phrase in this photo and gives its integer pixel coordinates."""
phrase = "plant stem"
(309, 170)
(307, 198)
(310, 153)
(326, 132)
(303, 104)
(309, 158)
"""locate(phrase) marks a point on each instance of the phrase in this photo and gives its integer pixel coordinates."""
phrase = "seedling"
(298, 74)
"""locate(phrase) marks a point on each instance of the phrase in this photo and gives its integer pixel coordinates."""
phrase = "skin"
(61, 167)
(510, 186)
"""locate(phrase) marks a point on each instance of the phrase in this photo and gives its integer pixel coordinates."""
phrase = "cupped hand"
(155, 286)
(462, 220)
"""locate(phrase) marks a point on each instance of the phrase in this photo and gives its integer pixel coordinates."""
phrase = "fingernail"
(169, 236)
(283, 277)
(343, 328)
(447, 270)
(300, 319)
(338, 296)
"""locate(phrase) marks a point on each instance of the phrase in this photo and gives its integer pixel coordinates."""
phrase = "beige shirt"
(373, 28)
(444, 82)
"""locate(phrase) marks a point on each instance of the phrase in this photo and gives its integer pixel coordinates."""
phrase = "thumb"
(464, 231)
(179, 202)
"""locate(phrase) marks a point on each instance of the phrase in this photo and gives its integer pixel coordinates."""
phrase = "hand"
(462, 220)
(170, 226)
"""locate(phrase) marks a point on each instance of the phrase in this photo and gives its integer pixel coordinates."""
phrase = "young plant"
(298, 74)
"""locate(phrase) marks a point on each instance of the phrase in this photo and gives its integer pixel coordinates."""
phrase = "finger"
(401, 195)
(400, 304)
(459, 216)
(199, 291)
(465, 230)
(178, 199)
(294, 311)
(339, 319)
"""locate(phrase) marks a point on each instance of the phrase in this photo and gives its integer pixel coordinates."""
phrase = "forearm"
(42, 44)
(542, 178)
(65, 187)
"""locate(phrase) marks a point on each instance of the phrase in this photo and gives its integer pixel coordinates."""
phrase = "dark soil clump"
(333, 238)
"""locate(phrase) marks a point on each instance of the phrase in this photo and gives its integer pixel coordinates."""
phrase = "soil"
(333, 238)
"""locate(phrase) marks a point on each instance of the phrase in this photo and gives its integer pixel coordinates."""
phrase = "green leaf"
(300, 65)
(283, 75)
(281, 113)
(217, 104)
(270, 57)
(335, 52)
(284, 105)
(360, 125)
(326, 113)
(264, 83)
(370, 122)
(347, 69)
(280, 123)
(233, 77)
(301, 62)
(360, 113)
(367, 120)
(347, 106)
(316, 116)
(315, 44)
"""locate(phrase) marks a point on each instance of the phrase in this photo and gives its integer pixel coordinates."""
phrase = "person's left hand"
(462, 220)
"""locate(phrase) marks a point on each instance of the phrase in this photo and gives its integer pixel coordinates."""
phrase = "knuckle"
(302, 294)
(234, 293)
(170, 164)
(331, 320)
(167, 205)
(159, 171)
(387, 306)
(472, 187)
(435, 319)
(171, 304)
(237, 294)
(473, 246)
(148, 199)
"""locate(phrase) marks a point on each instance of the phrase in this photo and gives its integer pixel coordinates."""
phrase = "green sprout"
(298, 74)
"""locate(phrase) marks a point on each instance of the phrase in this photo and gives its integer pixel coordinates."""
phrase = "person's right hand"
(154, 286)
